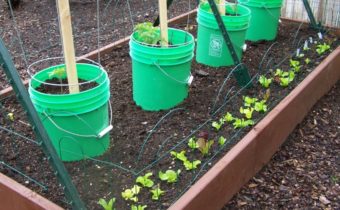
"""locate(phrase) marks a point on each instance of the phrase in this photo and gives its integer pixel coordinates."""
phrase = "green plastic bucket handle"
(188, 81)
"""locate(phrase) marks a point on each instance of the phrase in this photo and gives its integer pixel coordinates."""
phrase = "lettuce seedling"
(217, 125)
(241, 123)
(58, 73)
(221, 140)
(10, 116)
(248, 112)
(139, 207)
(248, 101)
(191, 165)
(170, 175)
(107, 205)
(192, 143)
(279, 73)
(286, 80)
(179, 155)
(147, 33)
(156, 193)
(260, 106)
(204, 145)
(228, 117)
(145, 181)
(131, 194)
(295, 65)
(264, 81)
(307, 61)
(322, 48)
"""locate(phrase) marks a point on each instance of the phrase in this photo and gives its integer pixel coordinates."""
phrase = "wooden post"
(163, 20)
(68, 46)
(221, 6)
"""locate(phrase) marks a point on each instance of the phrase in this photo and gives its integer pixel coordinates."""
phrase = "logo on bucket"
(215, 46)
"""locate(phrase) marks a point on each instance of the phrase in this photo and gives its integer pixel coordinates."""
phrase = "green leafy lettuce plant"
(217, 125)
(107, 205)
(307, 61)
(221, 140)
(248, 101)
(322, 48)
(228, 117)
(264, 81)
(170, 175)
(260, 106)
(242, 123)
(295, 65)
(145, 181)
(191, 165)
(139, 207)
(157, 193)
(147, 33)
(192, 143)
(179, 155)
(131, 194)
(247, 112)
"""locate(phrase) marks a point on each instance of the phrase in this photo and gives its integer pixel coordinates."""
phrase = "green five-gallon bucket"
(76, 123)
(265, 19)
(161, 75)
(211, 48)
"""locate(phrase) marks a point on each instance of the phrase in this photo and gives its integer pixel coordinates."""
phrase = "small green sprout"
(264, 81)
(295, 65)
(58, 73)
(191, 165)
(287, 79)
(307, 61)
(248, 112)
(228, 117)
(10, 116)
(131, 194)
(170, 175)
(241, 123)
(248, 101)
(107, 205)
(279, 73)
(145, 181)
(322, 48)
(192, 143)
(157, 193)
(179, 155)
(217, 125)
(260, 106)
(221, 140)
(139, 207)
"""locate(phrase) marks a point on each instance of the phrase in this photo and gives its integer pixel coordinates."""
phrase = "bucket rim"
(192, 40)
(200, 9)
(32, 75)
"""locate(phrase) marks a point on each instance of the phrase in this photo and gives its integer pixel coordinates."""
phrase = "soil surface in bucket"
(58, 89)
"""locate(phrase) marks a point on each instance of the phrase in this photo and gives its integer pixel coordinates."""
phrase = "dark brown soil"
(56, 86)
(305, 172)
(133, 133)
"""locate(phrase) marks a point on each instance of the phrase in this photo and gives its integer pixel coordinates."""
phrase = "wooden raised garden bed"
(235, 168)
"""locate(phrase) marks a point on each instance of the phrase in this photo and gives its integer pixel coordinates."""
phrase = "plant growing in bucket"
(77, 123)
(211, 47)
(160, 74)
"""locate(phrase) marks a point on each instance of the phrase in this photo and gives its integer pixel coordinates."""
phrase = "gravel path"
(305, 173)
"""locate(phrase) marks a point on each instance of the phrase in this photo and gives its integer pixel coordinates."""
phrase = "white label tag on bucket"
(105, 131)
(297, 52)
(191, 78)
(244, 48)
(215, 45)
(320, 35)
(311, 40)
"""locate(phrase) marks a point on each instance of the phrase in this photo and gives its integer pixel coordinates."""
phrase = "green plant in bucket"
(147, 33)
(58, 73)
